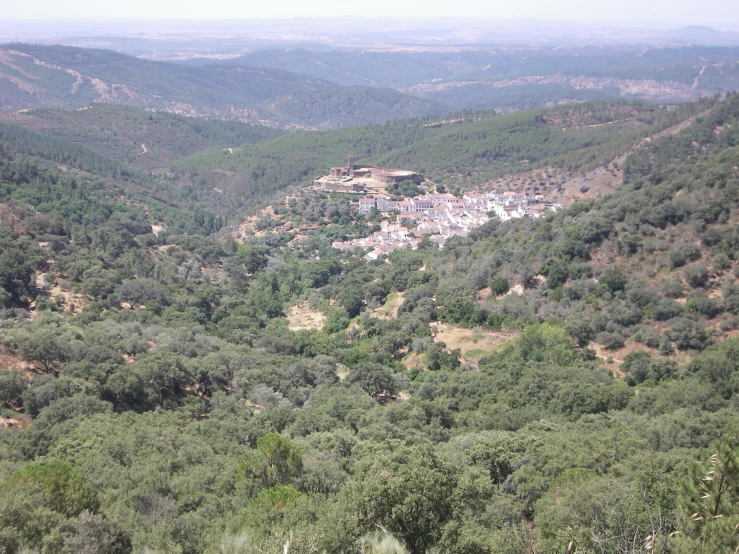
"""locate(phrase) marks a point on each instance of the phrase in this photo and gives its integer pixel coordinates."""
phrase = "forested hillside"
(161, 390)
(144, 140)
(37, 76)
(465, 150)
(515, 77)
(397, 68)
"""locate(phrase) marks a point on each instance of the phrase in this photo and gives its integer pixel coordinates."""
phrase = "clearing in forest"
(13, 362)
(474, 343)
(303, 318)
(389, 310)
(617, 356)
(71, 301)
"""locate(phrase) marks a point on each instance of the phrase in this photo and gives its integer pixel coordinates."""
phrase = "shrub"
(721, 261)
(684, 253)
(12, 386)
(696, 276)
(666, 309)
(610, 341)
(672, 288)
(648, 337)
(711, 237)
(613, 280)
(499, 285)
(688, 335)
(700, 302)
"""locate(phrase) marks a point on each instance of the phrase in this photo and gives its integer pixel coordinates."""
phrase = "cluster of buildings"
(441, 216)
(360, 178)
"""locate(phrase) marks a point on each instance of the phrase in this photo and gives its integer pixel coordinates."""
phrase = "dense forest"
(157, 396)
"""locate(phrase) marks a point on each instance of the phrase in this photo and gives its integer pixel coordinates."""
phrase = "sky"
(722, 14)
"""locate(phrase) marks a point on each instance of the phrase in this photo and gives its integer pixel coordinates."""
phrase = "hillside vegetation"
(120, 131)
(35, 76)
(154, 397)
(476, 148)
(520, 77)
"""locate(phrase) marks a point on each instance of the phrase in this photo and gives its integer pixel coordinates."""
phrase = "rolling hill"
(520, 77)
(142, 139)
(465, 151)
(35, 76)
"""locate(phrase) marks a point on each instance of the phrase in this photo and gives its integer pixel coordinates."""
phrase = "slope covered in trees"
(171, 408)
(521, 77)
(142, 139)
(476, 148)
(36, 76)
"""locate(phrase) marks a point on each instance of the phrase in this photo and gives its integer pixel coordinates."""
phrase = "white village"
(438, 215)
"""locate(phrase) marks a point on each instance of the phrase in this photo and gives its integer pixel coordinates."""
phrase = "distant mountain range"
(295, 89)
(34, 76)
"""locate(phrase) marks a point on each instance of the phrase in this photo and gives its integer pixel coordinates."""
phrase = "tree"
(438, 357)
(613, 280)
(94, 534)
(546, 342)
(254, 258)
(44, 350)
(410, 493)
(688, 335)
(373, 378)
(499, 285)
(266, 511)
(276, 461)
(166, 374)
(64, 488)
(12, 386)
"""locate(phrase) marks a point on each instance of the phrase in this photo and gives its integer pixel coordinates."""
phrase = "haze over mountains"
(303, 89)
(329, 73)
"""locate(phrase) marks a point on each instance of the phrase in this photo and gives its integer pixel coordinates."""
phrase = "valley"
(245, 309)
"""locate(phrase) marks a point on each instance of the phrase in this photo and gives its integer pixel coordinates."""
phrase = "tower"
(350, 166)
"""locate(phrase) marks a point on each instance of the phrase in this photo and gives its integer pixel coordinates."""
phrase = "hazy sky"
(718, 13)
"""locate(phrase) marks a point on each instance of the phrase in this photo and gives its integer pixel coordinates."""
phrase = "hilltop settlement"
(420, 212)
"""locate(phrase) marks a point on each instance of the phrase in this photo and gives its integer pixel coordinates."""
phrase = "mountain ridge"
(34, 76)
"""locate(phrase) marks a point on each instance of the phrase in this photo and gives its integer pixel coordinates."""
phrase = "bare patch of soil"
(10, 422)
(13, 362)
(618, 356)
(474, 343)
(72, 301)
(389, 310)
(303, 318)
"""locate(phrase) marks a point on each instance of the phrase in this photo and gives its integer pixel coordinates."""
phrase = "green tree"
(373, 378)
(546, 342)
(410, 494)
(65, 489)
(44, 350)
(613, 280)
(12, 386)
(276, 461)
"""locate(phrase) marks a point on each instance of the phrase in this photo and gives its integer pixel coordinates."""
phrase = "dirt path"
(697, 78)
(144, 152)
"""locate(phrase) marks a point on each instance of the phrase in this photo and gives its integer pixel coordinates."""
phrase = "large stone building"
(364, 175)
